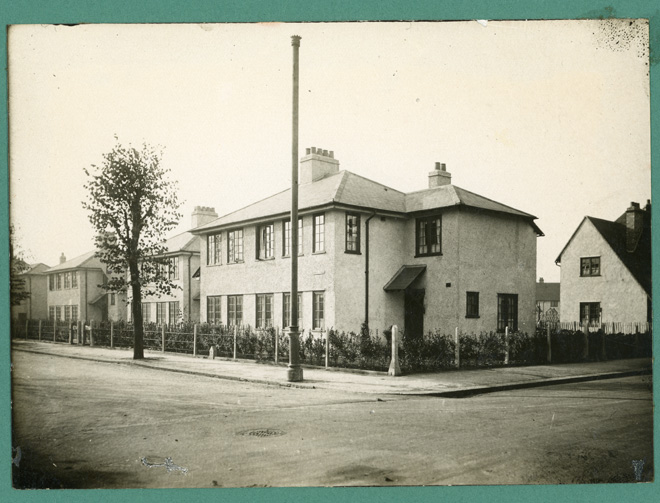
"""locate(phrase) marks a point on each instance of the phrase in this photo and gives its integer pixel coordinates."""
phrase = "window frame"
(286, 237)
(233, 312)
(214, 249)
(74, 279)
(235, 243)
(318, 307)
(264, 310)
(318, 233)
(589, 272)
(501, 322)
(286, 309)
(146, 312)
(472, 304)
(214, 309)
(161, 313)
(173, 268)
(422, 233)
(172, 311)
(265, 242)
(355, 242)
(591, 308)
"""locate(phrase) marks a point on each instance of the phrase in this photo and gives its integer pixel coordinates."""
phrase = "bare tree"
(132, 205)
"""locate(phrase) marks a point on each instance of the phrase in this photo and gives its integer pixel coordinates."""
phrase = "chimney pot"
(541, 280)
(62, 258)
(308, 151)
(313, 150)
(325, 153)
(332, 155)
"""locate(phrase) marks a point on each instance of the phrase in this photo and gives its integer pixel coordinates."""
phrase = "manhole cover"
(262, 432)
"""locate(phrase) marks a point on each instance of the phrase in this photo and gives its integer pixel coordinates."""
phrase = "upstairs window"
(265, 242)
(173, 268)
(319, 233)
(472, 305)
(352, 233)
(235, 246)
(213, 255)
(67, 280)
(59, 281)
(429, 236)
(590, 266)
(74, 279)
(51, 282)
(286, 236)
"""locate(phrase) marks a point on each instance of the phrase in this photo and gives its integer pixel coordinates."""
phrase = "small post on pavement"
(277, 344)
(54, 329)
(162, 332)
(457, 349)
(506, 345)
(585, 350)
(112, 334)
(327, 349)
(39, 329)
(70, 330)
(235, 336)
(91, 333)
(395, 369)
(27, 328)
(195, 339)
(549, 344)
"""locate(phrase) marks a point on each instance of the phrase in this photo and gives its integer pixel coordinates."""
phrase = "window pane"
(319, 233)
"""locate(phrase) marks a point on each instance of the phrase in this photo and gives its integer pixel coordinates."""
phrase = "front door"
(414, 307)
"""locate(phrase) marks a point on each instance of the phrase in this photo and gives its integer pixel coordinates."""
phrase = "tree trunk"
(138, 325)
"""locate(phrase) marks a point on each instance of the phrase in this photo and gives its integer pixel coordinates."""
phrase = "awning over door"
(197, 273)
(404, 277)
(98, 298)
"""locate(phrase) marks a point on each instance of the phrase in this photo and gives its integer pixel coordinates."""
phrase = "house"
(75, 291)
(438, 258)
(606, 269)
(182, 252)
(547, 302)
(35, 283)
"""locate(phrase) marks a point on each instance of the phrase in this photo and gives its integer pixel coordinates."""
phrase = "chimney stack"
(203, 215)
(634, 225)
(62, 258)
(439, 176)
(541, 280)
(318, 163)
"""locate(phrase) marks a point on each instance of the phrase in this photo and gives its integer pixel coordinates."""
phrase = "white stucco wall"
(621, 297)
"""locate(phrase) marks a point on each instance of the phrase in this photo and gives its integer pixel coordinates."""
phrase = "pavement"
(449, 383)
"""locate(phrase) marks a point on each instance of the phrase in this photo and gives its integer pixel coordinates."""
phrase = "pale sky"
(549, 117)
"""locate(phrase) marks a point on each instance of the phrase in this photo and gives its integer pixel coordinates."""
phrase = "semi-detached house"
(438, 258)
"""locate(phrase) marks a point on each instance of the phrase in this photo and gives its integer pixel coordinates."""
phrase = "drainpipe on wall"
(366, 269)
(189, 281)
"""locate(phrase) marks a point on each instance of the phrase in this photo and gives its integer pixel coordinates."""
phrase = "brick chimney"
(203, 215)
(62, 258)
(439, 176)
(635, 217)
(317, 164)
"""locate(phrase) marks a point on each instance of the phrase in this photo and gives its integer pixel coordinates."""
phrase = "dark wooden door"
(414, 307)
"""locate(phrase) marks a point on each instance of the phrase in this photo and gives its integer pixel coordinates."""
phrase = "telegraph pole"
(294, 371)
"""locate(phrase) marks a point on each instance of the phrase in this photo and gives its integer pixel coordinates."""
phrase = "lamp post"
(294, 371)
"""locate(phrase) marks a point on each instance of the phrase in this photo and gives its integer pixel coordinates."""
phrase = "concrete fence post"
(327, 350)
(506, 345)
(27, 328)
(112, 334)
(54, 329)
(457, 349)
(277, 344)
(70, 330)
(395, 369)
(91, 333)
(195, 339)
(585, 350)
(549, 356)
(162, 331)
(235, 337)
(39, 329)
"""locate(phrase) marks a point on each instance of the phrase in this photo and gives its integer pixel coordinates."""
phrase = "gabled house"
(75, 291)
(182, 253)
(606, 269)
(547, 302)
(35, 283)
(439, 258)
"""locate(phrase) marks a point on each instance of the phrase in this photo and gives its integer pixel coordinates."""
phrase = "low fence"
(557, 343)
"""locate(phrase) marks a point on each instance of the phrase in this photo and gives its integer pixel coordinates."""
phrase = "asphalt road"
(82, 424)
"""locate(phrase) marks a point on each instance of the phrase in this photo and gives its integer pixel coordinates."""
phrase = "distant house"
(35, 283)
(606, 269)
(547, 302)
(182, 252)
(75, 291)
(438, 258)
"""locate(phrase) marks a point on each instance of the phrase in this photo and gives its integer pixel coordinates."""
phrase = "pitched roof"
(182, 242)
(347, 188)
(84, 260)
(547, 291)
(404, 277)
(638, 262)
(39, 268)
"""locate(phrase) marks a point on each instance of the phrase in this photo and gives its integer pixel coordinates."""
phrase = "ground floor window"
(235, 309)
(264, 310)
(174, 312)
(74, 313)
(161, 313)
(213, 315)
(507, 312)
(318, 316)
(286, 310)
(472, 305)
(146, 312)
(590, 312)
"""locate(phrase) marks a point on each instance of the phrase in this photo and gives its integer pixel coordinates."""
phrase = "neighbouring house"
(606, 270)
(547, 302)
(182, 253)
(438, 258)
(35, 283)
(75, 291)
